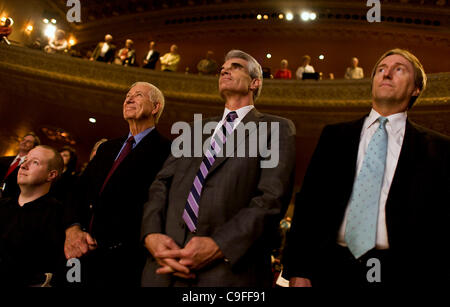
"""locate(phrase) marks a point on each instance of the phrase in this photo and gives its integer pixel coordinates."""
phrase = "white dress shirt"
(105, 49)
(301, 70)
(21, 158)
(240, 113)
(395, 128)
(149, 54)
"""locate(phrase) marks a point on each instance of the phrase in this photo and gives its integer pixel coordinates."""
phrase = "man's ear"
(156, 106)
(52, 175)
(255, 84)
(416, 92)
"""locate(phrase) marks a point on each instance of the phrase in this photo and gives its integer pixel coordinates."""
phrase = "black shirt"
(31, 240)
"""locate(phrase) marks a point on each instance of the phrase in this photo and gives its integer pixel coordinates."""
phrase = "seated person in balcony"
(170, 61)
(151, 57)
(105, 51)
(31, 232)
(305, 67)
(207, 66)
(283, 72)
(354, 72)
(127, 55)
(58, 44)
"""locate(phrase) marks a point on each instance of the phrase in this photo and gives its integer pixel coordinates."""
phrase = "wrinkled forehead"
(235, 61)
(140, 87)
(394, 59)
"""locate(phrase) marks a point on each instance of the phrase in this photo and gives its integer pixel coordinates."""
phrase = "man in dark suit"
(211, 219)
(374, 206)
(9, 166)
(115, 185)
(104, 51)
(151, 57)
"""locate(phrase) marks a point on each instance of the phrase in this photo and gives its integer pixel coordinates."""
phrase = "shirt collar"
(240, 112)
(138, 137)
(397, 121)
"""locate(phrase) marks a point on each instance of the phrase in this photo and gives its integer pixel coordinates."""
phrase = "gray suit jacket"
(240, 208)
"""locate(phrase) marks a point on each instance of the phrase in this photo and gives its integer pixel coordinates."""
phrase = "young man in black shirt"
(31, 232)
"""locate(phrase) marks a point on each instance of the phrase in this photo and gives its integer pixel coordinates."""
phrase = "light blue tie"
(361, 228)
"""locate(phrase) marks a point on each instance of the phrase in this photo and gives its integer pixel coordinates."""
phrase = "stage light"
(268, 55)
(50, 31)
(289, 16)
(266, 16)
(92, 120)
(304, 16)
(72, 41)
(280, 16)
(45, 20)
(29, 28)
(53, 21)
(3, 19)
(259, 17)
(321, 57)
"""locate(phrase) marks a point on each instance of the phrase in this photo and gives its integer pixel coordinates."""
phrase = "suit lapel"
(349, 160)
(400, 183)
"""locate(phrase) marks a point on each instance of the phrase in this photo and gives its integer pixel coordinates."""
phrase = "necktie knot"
(130, 140)
(383, 121)
(231, 116)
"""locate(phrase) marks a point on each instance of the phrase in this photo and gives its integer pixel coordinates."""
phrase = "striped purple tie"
(190, 213)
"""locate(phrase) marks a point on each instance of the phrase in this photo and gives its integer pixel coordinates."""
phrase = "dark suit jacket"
(118, 210)
(12, 189)
(109, 55)
(240, 208)
(152, 61)
(417, 208)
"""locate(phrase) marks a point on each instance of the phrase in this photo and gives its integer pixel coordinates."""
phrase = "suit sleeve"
(153, 219)
(77, 206)
(260, 218)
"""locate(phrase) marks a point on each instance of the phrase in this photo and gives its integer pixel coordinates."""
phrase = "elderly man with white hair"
(105, 209)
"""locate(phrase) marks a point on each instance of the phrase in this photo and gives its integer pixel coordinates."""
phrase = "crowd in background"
(108, 52)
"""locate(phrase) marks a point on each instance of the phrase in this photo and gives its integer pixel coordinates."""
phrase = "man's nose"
(24, 165)
(224, 71)
(387, 74)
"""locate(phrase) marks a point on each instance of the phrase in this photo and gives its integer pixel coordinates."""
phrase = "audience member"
(104, 212)
(152, 57)
(208, 66)
(283, 72)
(58, 44)
(96, 146)
(127, 55)
(305, 67)
(9, 166)
(65, 183)
(354, 72)
(31, 232)
(212, 221)
(104, 51)
(374, 206)
(170, 61)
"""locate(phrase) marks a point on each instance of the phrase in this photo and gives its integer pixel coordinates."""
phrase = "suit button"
(182, 225)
